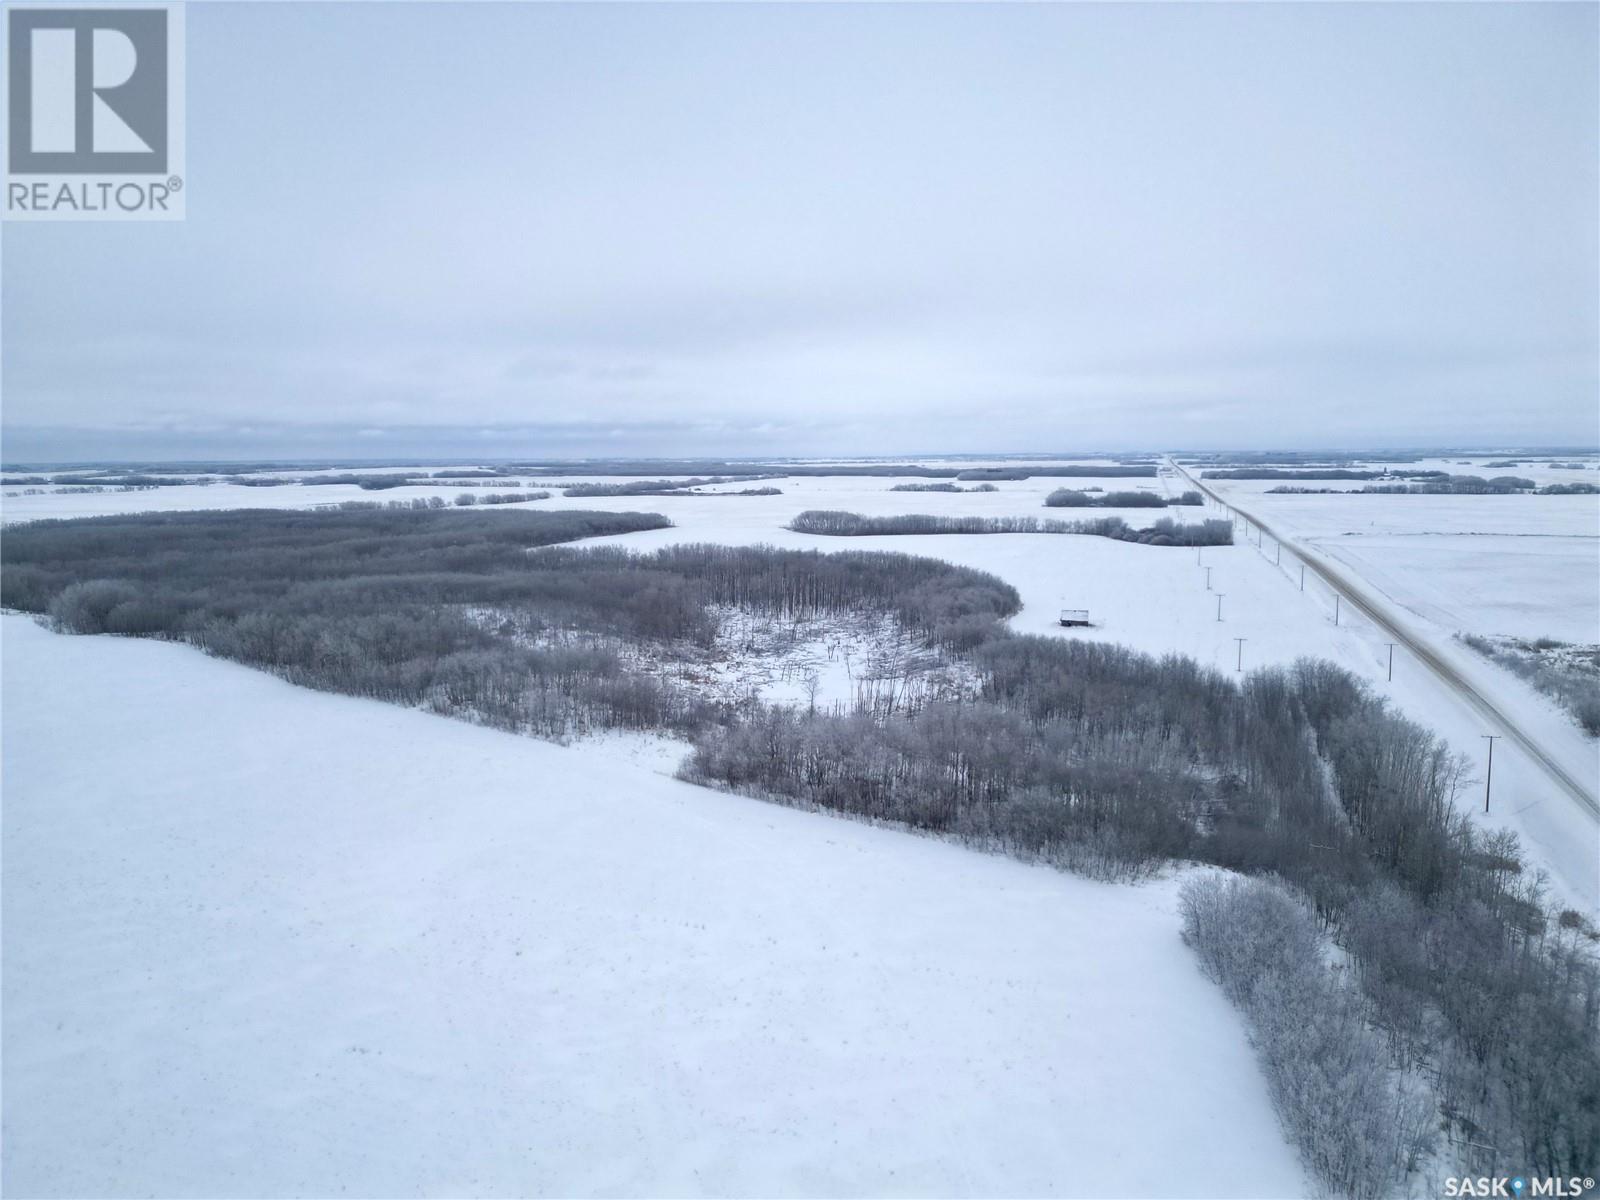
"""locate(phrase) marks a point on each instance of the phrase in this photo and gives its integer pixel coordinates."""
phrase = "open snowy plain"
(242, 918)
(266, 941)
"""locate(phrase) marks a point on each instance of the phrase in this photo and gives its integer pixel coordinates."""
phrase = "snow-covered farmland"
(241, 904)
(1517, 565)
(266, 941)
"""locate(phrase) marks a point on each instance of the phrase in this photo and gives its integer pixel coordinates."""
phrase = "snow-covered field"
(260, 940)
(264, 941)
(867, 494)
(1518, 565)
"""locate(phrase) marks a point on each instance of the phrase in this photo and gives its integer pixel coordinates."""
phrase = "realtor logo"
(94, 113)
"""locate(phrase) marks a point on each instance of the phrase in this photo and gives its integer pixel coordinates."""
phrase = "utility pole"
(1208, 579)
(1302, 577)
(1239, 664)
(1391, 646)
(1277, 553)
(1488, 776)
(1336, 608)
(1219, 606)
(1197, 550)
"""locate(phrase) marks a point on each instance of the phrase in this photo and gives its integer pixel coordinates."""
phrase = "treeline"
(1570, 675)
(1298, 458)
(1164, 532)
(656, 487)
(367, 483)
(942, 487)
(113, 479)
(778, 470)
(1456, 485)
(1088, 471)
(467, 499)
(1073, 498)
(1286, 473)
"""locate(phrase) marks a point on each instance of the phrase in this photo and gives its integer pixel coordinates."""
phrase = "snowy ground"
(264, 941)
(867, 494)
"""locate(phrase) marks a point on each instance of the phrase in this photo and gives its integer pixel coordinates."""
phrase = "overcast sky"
(507, 230)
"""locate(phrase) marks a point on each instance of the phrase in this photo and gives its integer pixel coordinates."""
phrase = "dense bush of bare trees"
(993, 474)
(1360, 1123)
(390, 601)
(1078, 498)
(1073, 498)
(1164, 532)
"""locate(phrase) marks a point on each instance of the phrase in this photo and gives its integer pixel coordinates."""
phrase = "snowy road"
(1382, 614)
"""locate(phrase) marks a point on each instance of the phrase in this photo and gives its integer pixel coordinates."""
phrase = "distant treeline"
(467, 499)
(371, 483)
(942, 487)
(1164, 532)
(1298, 458)
(1284, 473)
(773, 470)
(668, 487)
(1073, 498)
(108, 479)
(1124, 471)
(1449, 485)
(716, 473)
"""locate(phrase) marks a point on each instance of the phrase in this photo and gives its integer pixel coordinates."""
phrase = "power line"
(1488, 776)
